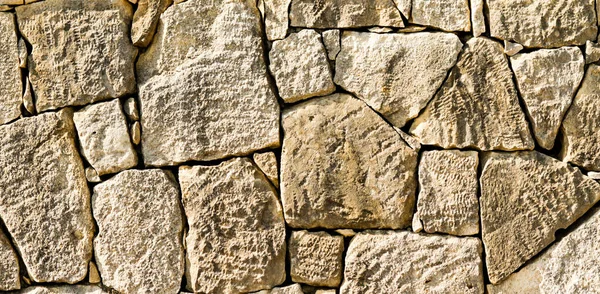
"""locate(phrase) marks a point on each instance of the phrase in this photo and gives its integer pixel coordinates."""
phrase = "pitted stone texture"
(45, 201)
(226, 106)
(276, 18)
(547, 80)
(299, 65)
(9, 266)
(104, 137)
(448, 15)
(331, 14)
(145, 20)
(267, 163)
(71, 289)
(316, 258)
(11, 86)
(477, 17)
(138, 248)
(361, 173)
(581, 126)
(477, 106)
(81, 53)
(332, 42)
(542, 23)
(236, 238)
(396, 74)
(525, 198)
(405, 262)
(448, 199)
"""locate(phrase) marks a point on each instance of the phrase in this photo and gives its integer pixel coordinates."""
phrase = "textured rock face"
(525, 198)
(75, 289)
(291, 289)
(45, 201)
(361, 173)
(236, 238)
(316, 258)
(77, 62)
(204, 94)
(267, 162)
(396, 74)
(547, 80)
(477, 17)
(10, 75)
(145, 20)
(404, 262)
(332, 42)
(541, 23)
(344, 14)
(477, 106)
(448, 197)
(104, 138)
(276, 18)
(138, 248)
(9, 266)
(300, 68)
(448, 15)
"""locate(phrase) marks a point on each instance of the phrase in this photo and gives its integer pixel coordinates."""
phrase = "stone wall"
(299, 146)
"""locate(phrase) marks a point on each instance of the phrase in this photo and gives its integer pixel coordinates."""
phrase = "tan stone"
(316, 258)
(9, 266)
(5, 8)
(342, 166)
(93, 275)
(511, 48)
(91, 175)
(276, 18)
(145, 20)
(71, 289)
(404, 6)
(11, 2)
(477, 17)
(267, 163)
(22, 47)
(332, 42)
(380, 30)
(136, 133)
(28, 98)
(592, 52)
(291, 289)
(344, 14)
(11, 86)
(448, 15)
(131, 110)
(346, 232)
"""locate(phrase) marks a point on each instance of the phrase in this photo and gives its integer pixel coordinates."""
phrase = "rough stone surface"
(547, 80)
(291, 289)
(477, 106)
(448, 199)
(276, 18)
(131, 110)
(542, 23)
(332, 42)
(525, 198)
(136, 133)
(361, 173)
(511, 48)
(71, 289)
(145, 20)
(45, 201)
(448, 15)
(9, 266)
(91, 175)
(195, 75)
(396, 74)
(267, 163)
(93, 274)
(592, 52)
(104, 137)
(316, 258)
(405, 262)
(28, 98)
(404, 6)
(75, 62)
(477, 17)
(138, 247)
(344, 14)
(236, 238)
(299, 65)
(11, 86)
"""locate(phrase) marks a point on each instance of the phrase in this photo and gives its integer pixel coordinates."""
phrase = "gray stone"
(511, 48)
(448, 15)
(332, 42)
(10, 74)
(93, 274)
(267, 163)
(404, 6)
(145, 20)
(9, 266)
(276, 18)
(316, 258)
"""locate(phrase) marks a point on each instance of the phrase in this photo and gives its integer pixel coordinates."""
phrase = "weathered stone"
(405, 262)
(448, 200)
(236, 238)
(136, 133)
(131, 110)
(361, 173)
(91, 175)
(22, 53)
(291, 289)
(316, 258)
(145, 20)
(542, 23)
(477, 106)
(448, 15)
(299, 65)
(104, 138)
(28, 98)
(75, 62)
(417, 225)
(525, 198)
(411, 141)
(11, 86)
(267, 163)
(71, 289)
(11, 2)
(227, 107)
(594, 175)
(396, 74)
(580, 128)
(477, 17)
(45, 201)
(93, 275)
(276, 18)
(330, 291)
(344, 14)
(380, 30)
(346, 232)
(138, 247)
(592, 52)
(331, 40)
(411, 29)
(511, 48)
(404, 7)
(547, 80)
(9, 266)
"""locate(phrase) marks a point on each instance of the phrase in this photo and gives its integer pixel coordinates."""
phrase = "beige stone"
(332, 42)
(276, 18)
(11, 86)
(136, 133)
(45, 201)
(291, 289)
(448, 15)
(344, 14)
(131, 109)
(22, 53)
(236, 237)
(404, 6)
(93, 274)
(316, 258)
(9, 266)
(477, 17)
(346, 232)
(28, 98)
(75, 62)
(511, 48)
(299, 65)
(91, 175)
(477, 106)
(405, 262)
(525, 198)
(380, 30)
(592, 52)
(11, 2)
(542, 23)
(145, 20)
(396, 74)
(71, 289)
(267, 163)
(594, 175)
(104, 137)
(342, 166)
(5, 8)
(547, 80)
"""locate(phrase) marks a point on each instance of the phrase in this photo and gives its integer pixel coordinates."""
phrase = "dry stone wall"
(299, 146)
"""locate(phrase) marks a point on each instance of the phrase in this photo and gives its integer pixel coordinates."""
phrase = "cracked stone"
(145, 20)
(10, 74)
(448, 15)
(331, 40)
(267, 163)
(276, 18)
(316, 258)
(9, 266)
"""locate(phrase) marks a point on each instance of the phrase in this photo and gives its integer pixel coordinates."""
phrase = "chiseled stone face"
(316, 258)
(342, 166)
(344, 14)
(10, 74)
(9, 266)
(448, 15)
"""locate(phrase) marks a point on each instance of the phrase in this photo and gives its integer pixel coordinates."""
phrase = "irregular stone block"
(332, 42)
(361, 173)
(405, 262)
(511, 48)
(547, 80)
(91, 175)
(404, 6)
(28, 98)
(477, 106)
(136, 133)
(477, 18)
(45, 201)
(316, 258)
(525, 198)
(267, 162)
(299, 65)
(75, 62)
(9, 266)
(276, 18)
(396, 74)
(131, 109)
(138, 247)
(448, 15)
(10, 74)
(236, 238)
(291, 289)
(93, 274)
(145, 20)
(71, 289)
(592, 52)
